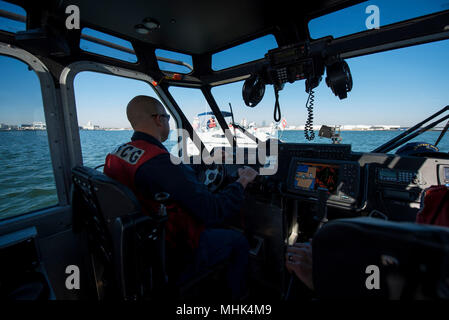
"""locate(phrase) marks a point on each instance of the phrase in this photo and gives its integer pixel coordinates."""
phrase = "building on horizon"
(39, 125)
(26, 126)
(91, 126)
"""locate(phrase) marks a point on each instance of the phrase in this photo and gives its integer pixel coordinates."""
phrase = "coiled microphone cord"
(277, 108)
(308, 128)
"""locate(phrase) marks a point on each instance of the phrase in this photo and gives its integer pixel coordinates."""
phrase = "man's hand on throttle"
(246, 175)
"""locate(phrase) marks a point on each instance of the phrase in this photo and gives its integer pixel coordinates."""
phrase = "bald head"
(144, 114)
(141, 108)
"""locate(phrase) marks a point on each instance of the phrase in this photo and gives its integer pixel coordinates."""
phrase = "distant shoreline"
(118, 129)
(7, 130)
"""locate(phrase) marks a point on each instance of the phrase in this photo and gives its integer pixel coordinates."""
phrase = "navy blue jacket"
(159, 174)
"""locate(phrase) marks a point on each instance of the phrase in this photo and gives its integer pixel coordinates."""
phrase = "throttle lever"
(321, 216)
(162, 199)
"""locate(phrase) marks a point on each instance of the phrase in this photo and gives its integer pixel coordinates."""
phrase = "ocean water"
(26, 176)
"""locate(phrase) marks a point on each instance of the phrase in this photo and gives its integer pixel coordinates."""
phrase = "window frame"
(207, 95)
(185, 63)
(17, 18)
(104, 45)
(55, 129)
(66, 82)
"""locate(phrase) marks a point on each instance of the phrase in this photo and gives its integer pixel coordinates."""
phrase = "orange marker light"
(154, 83)
(176, 76)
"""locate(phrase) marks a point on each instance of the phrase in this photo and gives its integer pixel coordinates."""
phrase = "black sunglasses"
(162, 115)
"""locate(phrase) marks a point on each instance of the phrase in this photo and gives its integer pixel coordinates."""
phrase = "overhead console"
(305, 60)
(295, 62)
(299, 61)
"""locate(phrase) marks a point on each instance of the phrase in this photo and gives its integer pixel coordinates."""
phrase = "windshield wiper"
(235, 125)
(249, 135)
(233, 122)
(410, 134)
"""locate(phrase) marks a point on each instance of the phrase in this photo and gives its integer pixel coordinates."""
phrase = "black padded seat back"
(107, 199)
(86, 210)
(127, 247)
(115, 199)
(372, 258)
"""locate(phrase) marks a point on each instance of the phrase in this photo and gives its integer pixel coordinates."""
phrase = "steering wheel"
(213, 176)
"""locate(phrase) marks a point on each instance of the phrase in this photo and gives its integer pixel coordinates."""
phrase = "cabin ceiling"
(197, 26)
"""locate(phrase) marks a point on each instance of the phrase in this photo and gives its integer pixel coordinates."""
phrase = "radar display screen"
(311, 176)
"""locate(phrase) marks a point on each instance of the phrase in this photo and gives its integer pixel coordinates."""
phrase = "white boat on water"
(211, 134)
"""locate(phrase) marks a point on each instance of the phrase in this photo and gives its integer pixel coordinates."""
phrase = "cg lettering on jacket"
(129, 153)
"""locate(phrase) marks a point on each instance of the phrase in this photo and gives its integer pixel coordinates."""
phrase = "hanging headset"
(339, 78)
(253, 90)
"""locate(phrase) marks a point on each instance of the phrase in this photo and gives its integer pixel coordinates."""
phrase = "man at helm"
(194, 214)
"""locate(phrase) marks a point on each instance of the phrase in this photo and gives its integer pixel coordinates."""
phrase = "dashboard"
(315, 183)
(355, 181)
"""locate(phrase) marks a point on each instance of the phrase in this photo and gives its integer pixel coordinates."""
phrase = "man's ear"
(158, 121)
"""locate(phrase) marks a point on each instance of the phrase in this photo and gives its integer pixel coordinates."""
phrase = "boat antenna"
(233, 122)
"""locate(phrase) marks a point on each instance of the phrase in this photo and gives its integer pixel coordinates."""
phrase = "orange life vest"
(122, 165)
(211, 123)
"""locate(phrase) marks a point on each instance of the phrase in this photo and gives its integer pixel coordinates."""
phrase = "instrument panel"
(443, 174)
(305, 168)
(354, 181)
(397, 176)
(340, 178)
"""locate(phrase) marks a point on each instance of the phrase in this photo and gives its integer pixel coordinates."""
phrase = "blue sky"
(398, 87)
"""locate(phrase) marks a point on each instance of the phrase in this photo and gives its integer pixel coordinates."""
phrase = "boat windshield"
(201, 118)
(392, 91)
(356, 18)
